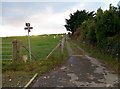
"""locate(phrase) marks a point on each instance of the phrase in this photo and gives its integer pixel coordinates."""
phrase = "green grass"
(41, 47)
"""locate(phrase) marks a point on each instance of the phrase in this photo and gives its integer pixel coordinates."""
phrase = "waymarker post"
(28, 28)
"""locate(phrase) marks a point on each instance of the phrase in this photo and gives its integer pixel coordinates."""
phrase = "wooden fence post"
(14, 54)
(19, 50)
(62, 45)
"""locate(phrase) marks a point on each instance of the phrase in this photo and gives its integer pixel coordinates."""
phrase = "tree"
(99, 25)
(76, 20)
(107, 24)
(91, 36)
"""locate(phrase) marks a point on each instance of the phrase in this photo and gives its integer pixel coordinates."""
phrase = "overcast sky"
(45, 17)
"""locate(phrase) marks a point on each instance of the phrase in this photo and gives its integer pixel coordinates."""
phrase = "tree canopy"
(76, 19)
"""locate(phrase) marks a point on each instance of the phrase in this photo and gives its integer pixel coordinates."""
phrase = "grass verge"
(105, 58)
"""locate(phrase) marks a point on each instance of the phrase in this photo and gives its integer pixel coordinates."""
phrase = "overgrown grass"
(106, 58)
(75, 49)
(24, 71)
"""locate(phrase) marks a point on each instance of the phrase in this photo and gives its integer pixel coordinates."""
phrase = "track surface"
(79, 71)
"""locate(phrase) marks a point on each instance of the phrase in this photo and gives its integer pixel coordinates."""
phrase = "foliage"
(107, 24)
(76, 20)
(89, 30)
(91, 36)
(98, 20)
(101, 29)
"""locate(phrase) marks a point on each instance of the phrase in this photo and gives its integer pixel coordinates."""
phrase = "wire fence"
(6, 49)
(16, 50)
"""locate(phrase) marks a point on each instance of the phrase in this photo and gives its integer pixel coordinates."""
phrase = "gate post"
(14, 54)
(19, 48)
(62, 45)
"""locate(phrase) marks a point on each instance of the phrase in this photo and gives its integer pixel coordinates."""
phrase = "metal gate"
(6, 49)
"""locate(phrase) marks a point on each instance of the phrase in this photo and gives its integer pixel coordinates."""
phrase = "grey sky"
(45, 17)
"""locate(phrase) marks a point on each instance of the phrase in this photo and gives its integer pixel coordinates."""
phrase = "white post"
(29, 45)
(28, 28)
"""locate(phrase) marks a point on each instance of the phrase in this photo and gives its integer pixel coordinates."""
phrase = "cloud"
(49, 1)
(89, 6)
(45, 22)
(48, 21)
(15, 13)
(11, 31)
(44, 17)
(113, 2)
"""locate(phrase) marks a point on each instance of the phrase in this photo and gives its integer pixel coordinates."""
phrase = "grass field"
(18, 74)
(40, 45)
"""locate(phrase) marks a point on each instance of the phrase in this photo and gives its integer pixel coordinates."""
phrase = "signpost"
(28, 28)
